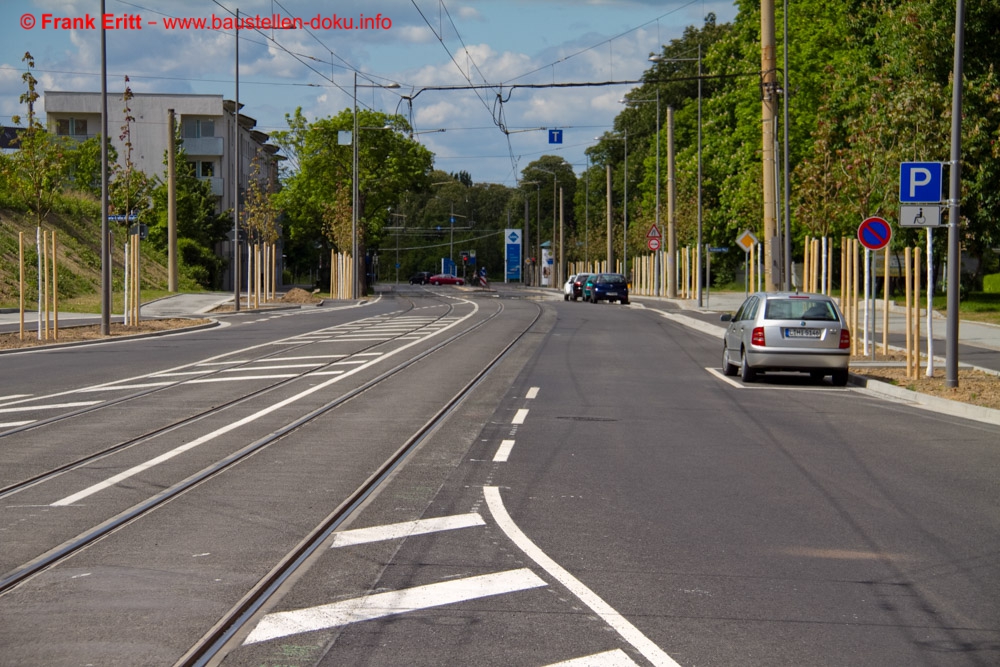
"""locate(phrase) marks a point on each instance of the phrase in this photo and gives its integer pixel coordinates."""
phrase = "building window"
(204, 169)
(71, 127)
(194, 128)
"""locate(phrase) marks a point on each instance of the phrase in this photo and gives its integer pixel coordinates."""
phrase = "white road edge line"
(166, 456)
(503, 453)
(379, 605)
(724, 378)
(615, 658)
(395, 531)
(629, 632)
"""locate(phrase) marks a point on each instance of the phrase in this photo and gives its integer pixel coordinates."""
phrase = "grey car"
(785, 331)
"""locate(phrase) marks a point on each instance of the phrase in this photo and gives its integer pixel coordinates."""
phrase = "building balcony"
(218, 185)
(202, 146)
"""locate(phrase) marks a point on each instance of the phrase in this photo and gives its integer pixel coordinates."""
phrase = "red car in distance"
(445, 279)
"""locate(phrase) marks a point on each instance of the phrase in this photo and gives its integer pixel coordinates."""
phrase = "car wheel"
(593, 298)
(565, 297)
(435, 283)
(624, 302)
(728, 368)
(839, 378)
(747, 374)
(817, 376)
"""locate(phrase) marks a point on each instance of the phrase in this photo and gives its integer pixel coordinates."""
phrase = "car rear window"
(613, 278)
(800, 309)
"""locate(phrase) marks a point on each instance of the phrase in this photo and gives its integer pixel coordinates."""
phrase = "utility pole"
(171, 205)
(769, 92)
(671, 215)
(611, 242)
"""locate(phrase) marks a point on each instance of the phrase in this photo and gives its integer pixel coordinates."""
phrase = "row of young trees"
(869, 87)
(47, 169)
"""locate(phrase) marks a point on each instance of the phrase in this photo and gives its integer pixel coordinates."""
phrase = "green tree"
(35, 173)
(320, 171)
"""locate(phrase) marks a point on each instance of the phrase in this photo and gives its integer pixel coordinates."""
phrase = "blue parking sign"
(920, 182)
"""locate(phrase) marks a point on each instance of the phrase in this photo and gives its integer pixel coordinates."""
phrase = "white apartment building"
(206, 124)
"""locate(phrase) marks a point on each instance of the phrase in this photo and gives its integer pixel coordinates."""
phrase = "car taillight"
(845, 339)
(757, 338)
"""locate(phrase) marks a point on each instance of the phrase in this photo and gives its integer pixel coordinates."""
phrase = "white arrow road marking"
(285, 623)
(629, 632)
(405, 529)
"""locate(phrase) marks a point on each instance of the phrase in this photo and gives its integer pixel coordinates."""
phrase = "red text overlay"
(213, 22)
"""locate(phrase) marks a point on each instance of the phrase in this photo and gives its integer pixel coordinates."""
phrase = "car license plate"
(612, 293)
(802, 333)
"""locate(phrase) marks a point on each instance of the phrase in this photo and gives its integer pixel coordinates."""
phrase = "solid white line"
(532, 393)
(179, 374)
(328, 373)
(629, 632)
(725, 378)
(615, 658)
(7, 398)
(520, 416)
(270, 368)
(395, 531)
(504, 451)
(237, 378)
(51, 406)
(113, 387)
(166, 456)
(10, 424)
(379, 605)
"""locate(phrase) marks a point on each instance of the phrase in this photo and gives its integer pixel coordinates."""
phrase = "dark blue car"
(607, 287)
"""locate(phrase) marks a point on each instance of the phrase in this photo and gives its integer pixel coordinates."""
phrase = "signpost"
(874, 233)
(923, 183)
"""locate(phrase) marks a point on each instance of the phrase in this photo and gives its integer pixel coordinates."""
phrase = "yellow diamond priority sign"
(746, 240)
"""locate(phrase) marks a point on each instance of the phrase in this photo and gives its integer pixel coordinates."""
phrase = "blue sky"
(426, 43)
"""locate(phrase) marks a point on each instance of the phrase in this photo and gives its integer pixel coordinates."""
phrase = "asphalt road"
(604, 497)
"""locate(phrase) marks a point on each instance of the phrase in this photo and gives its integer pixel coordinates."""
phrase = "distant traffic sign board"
(721, 248)
(874, 233)
(920, 182)
(653, 243)
(555, 136)
(654, 232)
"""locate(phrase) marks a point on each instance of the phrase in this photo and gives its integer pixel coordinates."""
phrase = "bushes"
(991, 283)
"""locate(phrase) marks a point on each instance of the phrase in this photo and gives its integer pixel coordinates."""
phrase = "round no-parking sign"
(874, 233)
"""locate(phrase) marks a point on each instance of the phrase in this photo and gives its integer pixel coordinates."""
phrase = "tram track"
(16, 487)
(70, 547)
(226, 633)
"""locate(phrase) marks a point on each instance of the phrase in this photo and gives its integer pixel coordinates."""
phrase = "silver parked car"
(784, 331)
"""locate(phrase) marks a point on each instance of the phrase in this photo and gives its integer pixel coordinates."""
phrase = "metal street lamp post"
(657, 100)
(354, 185)
(625, 212)
(658, 59)
(555, 186)
(527, 225)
